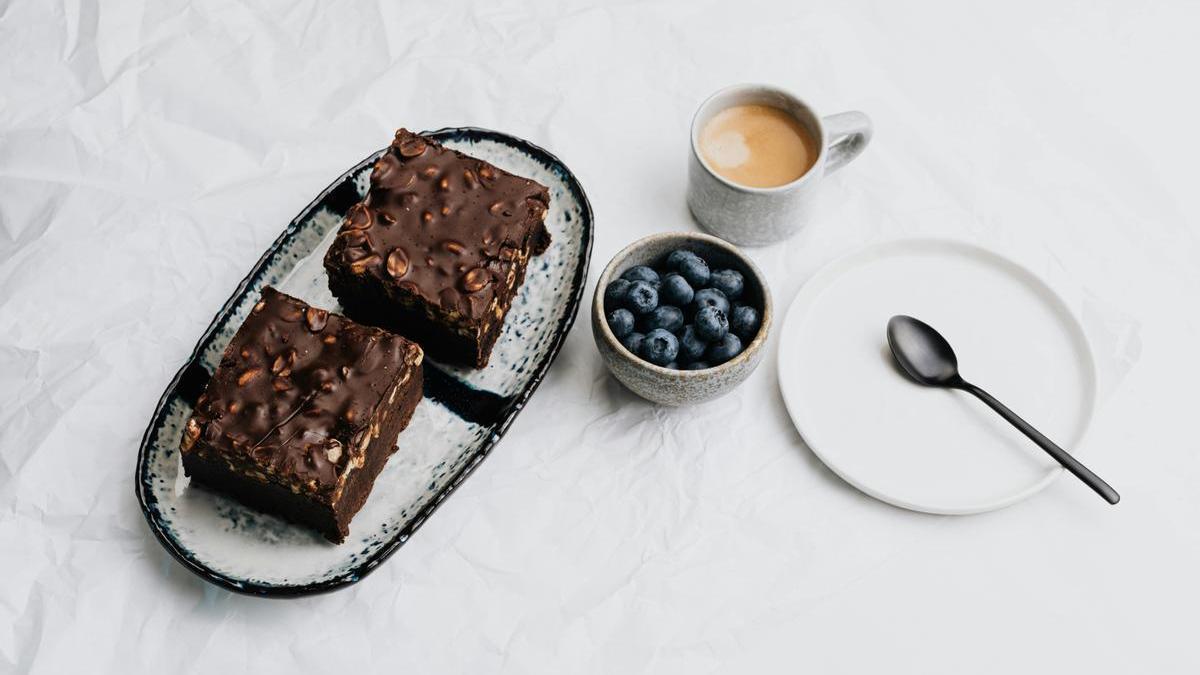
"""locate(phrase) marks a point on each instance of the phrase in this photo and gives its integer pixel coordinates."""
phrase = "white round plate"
(928, 449)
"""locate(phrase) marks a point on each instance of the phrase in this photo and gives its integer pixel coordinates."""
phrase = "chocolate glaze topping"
(441, 225)
(295, 392)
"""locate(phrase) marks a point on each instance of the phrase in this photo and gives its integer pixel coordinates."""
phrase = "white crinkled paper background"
(149, 153)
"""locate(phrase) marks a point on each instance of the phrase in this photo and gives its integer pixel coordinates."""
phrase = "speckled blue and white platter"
(462, 417)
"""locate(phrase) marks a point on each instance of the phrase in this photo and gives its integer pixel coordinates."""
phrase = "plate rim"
(147, 501)
(812, 288)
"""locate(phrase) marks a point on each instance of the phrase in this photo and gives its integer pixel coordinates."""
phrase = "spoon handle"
(1061, 456)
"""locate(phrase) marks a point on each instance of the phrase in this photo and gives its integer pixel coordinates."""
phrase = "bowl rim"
(748, 352)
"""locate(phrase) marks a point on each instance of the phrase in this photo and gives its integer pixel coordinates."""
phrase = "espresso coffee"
(757, 146)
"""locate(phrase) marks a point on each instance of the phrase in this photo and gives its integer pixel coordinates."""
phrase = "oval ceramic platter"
(463, 415)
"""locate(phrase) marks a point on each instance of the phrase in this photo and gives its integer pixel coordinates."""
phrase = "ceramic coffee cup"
(755, 215)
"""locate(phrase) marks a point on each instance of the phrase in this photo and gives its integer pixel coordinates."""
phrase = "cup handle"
(848, 133)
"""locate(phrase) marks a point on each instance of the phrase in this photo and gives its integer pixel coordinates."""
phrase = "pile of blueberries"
(682, 315)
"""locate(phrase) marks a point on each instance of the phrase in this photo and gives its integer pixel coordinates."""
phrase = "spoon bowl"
(922, 352)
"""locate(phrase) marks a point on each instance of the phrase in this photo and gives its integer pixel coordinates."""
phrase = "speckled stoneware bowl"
(665, 385)
(462, 417)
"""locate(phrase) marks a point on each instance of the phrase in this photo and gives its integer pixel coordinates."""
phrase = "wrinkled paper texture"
(151, 151)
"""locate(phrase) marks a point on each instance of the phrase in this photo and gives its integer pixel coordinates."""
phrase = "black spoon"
(926, 356)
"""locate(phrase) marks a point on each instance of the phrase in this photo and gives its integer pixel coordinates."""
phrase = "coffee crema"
(758, 146)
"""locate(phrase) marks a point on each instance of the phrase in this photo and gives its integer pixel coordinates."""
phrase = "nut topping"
(334, 451)
(453, 247)
(191, 433)
(359, 217)
(247, 375)
(378, 170)
(291, 313)
(536, 208)
(413, 146)
(360, 266)
(397, 263)
(401, 180)
(353, 255)
(475, 280)
(355, 239)
(316, 319)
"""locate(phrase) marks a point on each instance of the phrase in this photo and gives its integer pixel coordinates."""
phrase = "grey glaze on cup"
(665, 385)
(755, 216)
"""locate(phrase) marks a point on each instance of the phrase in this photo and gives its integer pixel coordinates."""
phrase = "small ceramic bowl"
(665, 385)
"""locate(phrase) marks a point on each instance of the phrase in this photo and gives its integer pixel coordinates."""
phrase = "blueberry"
(641, 273)
(695, 270)
(691, 347)
(660, 347)
(696, 365)
(665, 317)
(641, 298)
(621, 322)
(676, 258)
(633, 342)
(729, 282)
(615, 292)
(724, 349)
(711, 324)
(674, 365)
(710, 297)
(744, 321)
(675, 290)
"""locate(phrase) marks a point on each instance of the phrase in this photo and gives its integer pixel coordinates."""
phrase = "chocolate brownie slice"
(438, 248)
(302, 413)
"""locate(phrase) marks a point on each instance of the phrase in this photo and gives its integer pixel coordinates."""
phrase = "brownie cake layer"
(302, 413)
(438, 248)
